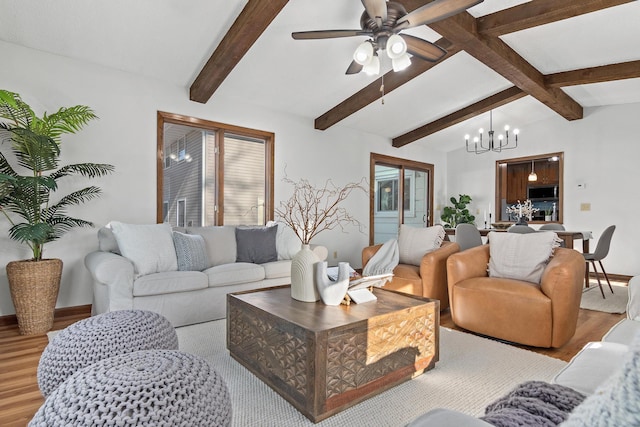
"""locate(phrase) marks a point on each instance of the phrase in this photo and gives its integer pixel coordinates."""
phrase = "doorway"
(401, 193)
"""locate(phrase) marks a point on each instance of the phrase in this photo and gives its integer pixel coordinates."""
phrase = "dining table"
(567, 236)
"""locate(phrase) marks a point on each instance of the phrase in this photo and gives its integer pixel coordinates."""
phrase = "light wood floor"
(20, 397)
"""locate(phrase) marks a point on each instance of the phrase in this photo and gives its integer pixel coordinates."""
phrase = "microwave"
(542, 192)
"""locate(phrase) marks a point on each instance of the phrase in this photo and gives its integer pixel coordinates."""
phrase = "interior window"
(213, 174)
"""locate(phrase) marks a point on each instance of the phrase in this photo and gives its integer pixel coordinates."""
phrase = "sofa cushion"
(191, 251)
(256, 245)
(169, 282)
(520, 256)
(615, 402)
(148, 246)
(277, 269)
(107, 241)
(234, 273)
(414, 242)
(221, 243)
(287, 243)
(592, 366)
(623, 332)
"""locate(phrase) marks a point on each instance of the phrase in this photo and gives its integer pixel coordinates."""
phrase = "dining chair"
(602, 249)
(552, 226)
(522, 229)
(468, 236)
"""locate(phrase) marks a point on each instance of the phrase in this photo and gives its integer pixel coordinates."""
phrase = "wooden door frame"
(382, 159)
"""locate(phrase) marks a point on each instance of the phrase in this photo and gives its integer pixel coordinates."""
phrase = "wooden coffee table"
(323, 359)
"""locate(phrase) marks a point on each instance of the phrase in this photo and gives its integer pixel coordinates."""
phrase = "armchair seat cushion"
(473, 299)
(406, 278)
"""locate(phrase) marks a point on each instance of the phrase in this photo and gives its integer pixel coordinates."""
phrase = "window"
(213, 174)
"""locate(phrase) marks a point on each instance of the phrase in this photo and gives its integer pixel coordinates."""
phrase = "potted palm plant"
(26, 201)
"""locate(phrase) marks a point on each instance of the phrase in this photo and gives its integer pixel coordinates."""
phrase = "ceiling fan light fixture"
(396, 46)
(364, 53)
(373, 67)
(401, 62)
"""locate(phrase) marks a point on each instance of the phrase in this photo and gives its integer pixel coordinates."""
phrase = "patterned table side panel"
(355, 358)
(279, 355)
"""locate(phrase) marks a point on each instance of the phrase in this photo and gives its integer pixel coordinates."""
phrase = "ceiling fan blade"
(328, 34)
(377, 10)
(423, 49)
(354, 68)
(434, 11)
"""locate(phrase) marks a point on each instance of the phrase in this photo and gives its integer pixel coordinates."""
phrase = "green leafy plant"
(458, 213)
(35, 144)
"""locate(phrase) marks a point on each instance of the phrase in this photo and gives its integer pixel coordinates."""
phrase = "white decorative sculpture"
(332, 292)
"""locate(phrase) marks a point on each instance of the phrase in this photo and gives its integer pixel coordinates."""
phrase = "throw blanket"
(533, 403)
(383, 261)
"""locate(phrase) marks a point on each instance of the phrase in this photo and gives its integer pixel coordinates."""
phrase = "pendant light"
(533, 176)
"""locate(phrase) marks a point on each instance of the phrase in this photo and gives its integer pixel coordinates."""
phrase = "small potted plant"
(26, 201)
(547, 214)
(458, 213)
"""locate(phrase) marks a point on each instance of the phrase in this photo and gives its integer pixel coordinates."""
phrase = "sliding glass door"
(402, 194)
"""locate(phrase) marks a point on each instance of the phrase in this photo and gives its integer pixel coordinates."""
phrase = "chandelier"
(482, 145)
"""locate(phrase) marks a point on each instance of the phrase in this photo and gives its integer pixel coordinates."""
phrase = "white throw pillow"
(520, 256)
(287, 243)
(414, 242)
(148, 246)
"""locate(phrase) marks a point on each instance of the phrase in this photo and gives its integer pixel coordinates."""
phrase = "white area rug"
(612, 303)
(471, 373)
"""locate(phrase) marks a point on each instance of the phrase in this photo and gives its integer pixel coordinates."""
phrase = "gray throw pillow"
(191, 251)
(256, 244)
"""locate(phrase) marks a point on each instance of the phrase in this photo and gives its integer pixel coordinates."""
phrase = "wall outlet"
(335, 254)
(585, 206)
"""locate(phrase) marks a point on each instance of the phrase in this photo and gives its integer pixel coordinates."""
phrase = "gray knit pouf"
(144, 388)
(99, 337)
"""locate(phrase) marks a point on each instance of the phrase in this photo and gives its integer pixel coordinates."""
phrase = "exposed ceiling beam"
(250, 24)
(604, 73)
(538, 12)
(371, 92)
(487, 104)
(493, 52)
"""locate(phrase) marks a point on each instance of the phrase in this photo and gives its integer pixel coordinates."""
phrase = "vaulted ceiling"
(527, 61)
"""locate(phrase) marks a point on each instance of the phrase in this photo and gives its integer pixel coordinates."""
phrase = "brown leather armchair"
(429, 279)
(540, 315)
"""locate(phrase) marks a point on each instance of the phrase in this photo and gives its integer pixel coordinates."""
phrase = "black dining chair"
(602, 250)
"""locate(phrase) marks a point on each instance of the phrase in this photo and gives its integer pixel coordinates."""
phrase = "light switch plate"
(585, 206)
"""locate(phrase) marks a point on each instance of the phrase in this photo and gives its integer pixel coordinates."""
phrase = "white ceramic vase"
(332, 293)
(303, 287)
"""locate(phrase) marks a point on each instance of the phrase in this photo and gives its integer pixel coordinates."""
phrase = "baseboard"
(616, 277)
(11, 319)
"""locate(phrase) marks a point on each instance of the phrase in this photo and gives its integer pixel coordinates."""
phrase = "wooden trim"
(220, 129)
(246, 29)
(604, 73)
(77, 310)
(402, 164)
(487, 104)
(526, 159)
(371, 92)
(538, 12)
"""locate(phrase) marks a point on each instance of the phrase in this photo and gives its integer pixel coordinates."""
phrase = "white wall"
(601, 150)
(125, 136)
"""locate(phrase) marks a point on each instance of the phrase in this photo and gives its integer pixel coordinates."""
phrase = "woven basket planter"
(34, 290)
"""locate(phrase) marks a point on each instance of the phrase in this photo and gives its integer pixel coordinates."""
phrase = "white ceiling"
(171, 40)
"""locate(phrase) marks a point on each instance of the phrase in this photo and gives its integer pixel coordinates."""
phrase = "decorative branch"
(310, 210)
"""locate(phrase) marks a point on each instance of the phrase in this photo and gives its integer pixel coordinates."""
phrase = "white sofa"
(138, 270)
(604, 371)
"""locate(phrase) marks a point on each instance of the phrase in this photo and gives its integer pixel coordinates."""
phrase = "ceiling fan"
(382, 22)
